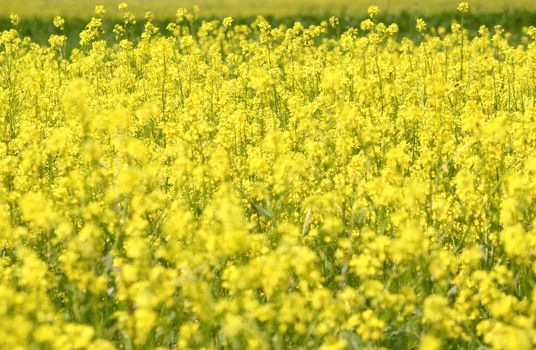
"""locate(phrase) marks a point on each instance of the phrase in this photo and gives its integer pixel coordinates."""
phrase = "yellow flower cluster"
(221, 185)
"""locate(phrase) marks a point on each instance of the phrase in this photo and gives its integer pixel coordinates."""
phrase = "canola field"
(217, 185)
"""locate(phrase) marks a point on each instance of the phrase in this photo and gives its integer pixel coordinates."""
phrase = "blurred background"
(514, 15)
(276, 8)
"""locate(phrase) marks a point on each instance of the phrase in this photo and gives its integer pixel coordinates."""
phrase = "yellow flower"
(58, 22)
(227, 21)
(333, 21)
(14, 18)
(373, 11)
(421, 25)
(429, 342)
(463, 7)
(99, 10)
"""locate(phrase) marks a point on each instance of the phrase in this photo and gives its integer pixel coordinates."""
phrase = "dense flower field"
(250, 186)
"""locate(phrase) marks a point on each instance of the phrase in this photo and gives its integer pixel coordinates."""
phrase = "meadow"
(283, 181)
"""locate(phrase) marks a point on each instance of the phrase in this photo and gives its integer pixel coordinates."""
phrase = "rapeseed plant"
(223, 185)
